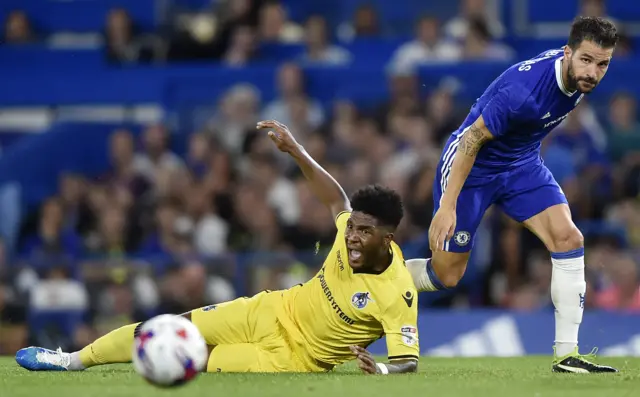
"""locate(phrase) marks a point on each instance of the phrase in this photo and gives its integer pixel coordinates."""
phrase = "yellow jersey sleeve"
(400, 324)
(341, 220)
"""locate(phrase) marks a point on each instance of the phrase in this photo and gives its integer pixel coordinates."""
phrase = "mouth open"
(354, 255)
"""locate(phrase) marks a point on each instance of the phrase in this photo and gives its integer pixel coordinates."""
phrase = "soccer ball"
(169, 351)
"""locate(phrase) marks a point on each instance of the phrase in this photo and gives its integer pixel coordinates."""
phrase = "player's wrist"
(297, 151)
(448, 203)
(382, 369)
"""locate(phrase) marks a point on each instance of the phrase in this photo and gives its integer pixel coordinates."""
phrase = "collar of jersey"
(558, 66)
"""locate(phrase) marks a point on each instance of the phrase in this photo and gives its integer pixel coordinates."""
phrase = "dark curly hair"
(596, 29)
(381, 203)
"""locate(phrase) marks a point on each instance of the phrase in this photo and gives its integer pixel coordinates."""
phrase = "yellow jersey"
(339, 308)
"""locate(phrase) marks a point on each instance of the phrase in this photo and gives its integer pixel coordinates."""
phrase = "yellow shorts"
(248, 337)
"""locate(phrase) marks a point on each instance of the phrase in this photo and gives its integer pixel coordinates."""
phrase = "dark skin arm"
(328, 191)
(368, 365)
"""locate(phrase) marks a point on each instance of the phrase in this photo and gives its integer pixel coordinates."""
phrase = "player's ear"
(388, 238)
(567, 52)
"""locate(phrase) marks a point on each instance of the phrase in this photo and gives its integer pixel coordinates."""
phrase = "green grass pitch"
(437, 377)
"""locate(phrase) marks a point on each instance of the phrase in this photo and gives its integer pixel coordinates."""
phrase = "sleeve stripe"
(339, 214)
(404, 356)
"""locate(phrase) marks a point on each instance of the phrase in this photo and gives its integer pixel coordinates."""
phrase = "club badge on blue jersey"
(360, 299)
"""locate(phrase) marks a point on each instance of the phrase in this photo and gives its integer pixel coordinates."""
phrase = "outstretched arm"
(328, 191)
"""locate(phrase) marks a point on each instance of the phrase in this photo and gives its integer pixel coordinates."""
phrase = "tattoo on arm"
(472, 141)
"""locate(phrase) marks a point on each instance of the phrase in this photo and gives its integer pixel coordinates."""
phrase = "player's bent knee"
(567, 239)
(450, 267)
(451, 279)
(241, 357)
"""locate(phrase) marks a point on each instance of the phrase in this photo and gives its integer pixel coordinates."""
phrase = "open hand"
(280, 135)
(442, 227)
(365, 360)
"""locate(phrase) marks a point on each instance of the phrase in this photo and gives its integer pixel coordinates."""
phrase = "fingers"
(435, 239)
(270, 124)
(366, 363)
(450, 232)
(432, 238)
(273, 136)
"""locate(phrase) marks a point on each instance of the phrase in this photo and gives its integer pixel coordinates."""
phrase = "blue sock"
(432, 282)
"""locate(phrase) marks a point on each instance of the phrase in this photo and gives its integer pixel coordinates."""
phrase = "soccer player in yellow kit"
(363, 292)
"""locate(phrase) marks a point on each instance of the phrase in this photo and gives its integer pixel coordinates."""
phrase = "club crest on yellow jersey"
(359, 300)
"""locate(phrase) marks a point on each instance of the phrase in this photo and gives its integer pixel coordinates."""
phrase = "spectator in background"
(597, 8)
(187, 286)
(52, 239)
(161, 240)
(255, 224)
(626, 214)
(235, 118)
(119, 36)
(365, 24)
(111, 238)
(199, 154)
(291, 88)
(415, 144)
(12, 308)
(404, 98)
(275, 27)
(123, 173)
(624, 140)
(210, 232)
(418, 198)
(156, 155)
(319, 50)
(242, 48)
(280, 192)
(427, 47)
(590, 162)
(623, 287)
(18, 29)
(314, 225)
(72, 189)
(339, 132)
(624, 48)
(534, 295)
(478, 44)
(459, 27)
(441, 112)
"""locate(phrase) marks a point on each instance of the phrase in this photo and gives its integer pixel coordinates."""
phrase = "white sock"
(75, 364)
(424, 278)
(568, 287)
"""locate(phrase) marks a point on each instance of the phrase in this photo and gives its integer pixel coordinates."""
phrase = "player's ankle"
(75, 364)
(563, 348)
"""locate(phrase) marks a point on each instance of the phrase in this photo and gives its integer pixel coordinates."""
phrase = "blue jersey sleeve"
(511, 103)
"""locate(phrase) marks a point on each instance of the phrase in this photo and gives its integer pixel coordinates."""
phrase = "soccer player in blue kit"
(494, 158)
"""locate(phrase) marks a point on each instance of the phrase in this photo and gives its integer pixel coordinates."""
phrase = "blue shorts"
(521, 193)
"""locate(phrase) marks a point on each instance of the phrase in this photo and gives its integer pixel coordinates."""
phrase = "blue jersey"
(519, 108)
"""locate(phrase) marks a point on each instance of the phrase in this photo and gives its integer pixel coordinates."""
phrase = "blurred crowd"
(166, 231)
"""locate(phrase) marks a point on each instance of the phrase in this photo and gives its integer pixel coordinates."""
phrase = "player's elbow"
(412, 366)
(406, 366)
(474, 138)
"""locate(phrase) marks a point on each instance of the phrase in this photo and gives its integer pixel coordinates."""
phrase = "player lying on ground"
(362, 292)
(494, 158)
